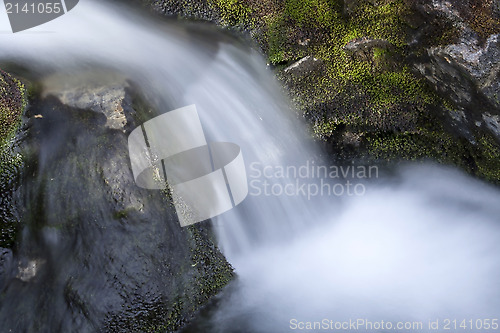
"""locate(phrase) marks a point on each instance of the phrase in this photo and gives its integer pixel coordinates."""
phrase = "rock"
(102, 94)
(365, 44)
(471, 61)
(28, 269)
(475, 55)
(303, 66)
(5, 265)
(378, 86)
(98, 253)
(447, 77)
(196, 9)
(467, 71)
(492, 123)
(12, 105)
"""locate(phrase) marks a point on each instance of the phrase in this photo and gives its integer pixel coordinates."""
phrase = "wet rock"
(472, 61)
(5, 265)
(466, 71)
(102, 94)
(12, 106)
(100, 253)
(28, 269)
(461, 68)
(447, 77)
(492, 123)
(378, 86)
(303, 66)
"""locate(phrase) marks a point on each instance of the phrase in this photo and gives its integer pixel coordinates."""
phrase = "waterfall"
(420, 246)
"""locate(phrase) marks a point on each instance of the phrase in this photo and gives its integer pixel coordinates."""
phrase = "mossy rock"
(364, 88)
(12, 105)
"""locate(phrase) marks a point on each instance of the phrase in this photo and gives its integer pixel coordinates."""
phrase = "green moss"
(213, 270)
(276, 40)
(371, 89)
(306, 13)
(378, 74)
(480, 159)
(12, 104)
(487, 157)
(233, 12)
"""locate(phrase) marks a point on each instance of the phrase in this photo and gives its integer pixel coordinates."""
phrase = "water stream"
(420, 245)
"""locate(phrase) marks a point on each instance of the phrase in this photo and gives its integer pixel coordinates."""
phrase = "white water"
(422, 247)
(417, 250)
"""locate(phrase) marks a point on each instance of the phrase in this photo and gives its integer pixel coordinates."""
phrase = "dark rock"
(197, 9)
(447, 77)
(492, 122)
(101, 94)
(467, 71)
(376, 96)
(468, 61)
(5, 266)
(98, 253)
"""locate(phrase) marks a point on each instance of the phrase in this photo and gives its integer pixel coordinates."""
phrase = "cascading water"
(420, 247)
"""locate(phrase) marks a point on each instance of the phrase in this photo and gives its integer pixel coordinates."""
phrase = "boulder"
(96, 252)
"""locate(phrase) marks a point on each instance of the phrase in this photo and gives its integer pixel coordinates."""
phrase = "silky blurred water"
(421, 245)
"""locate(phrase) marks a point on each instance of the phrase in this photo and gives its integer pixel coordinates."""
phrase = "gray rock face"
(5, 264)
(467, 71)
(468, 60)
(98, 253)
(493, 123)
(447, 77)
(108, 97)
(105, 99)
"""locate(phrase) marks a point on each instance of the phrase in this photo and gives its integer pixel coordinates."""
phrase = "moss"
(213, 270)
(233, 12)
(479, 159)
(12, 104)
(487, 157)
(479, 15)
(377, 75)
(317, 13)
(369, 89)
